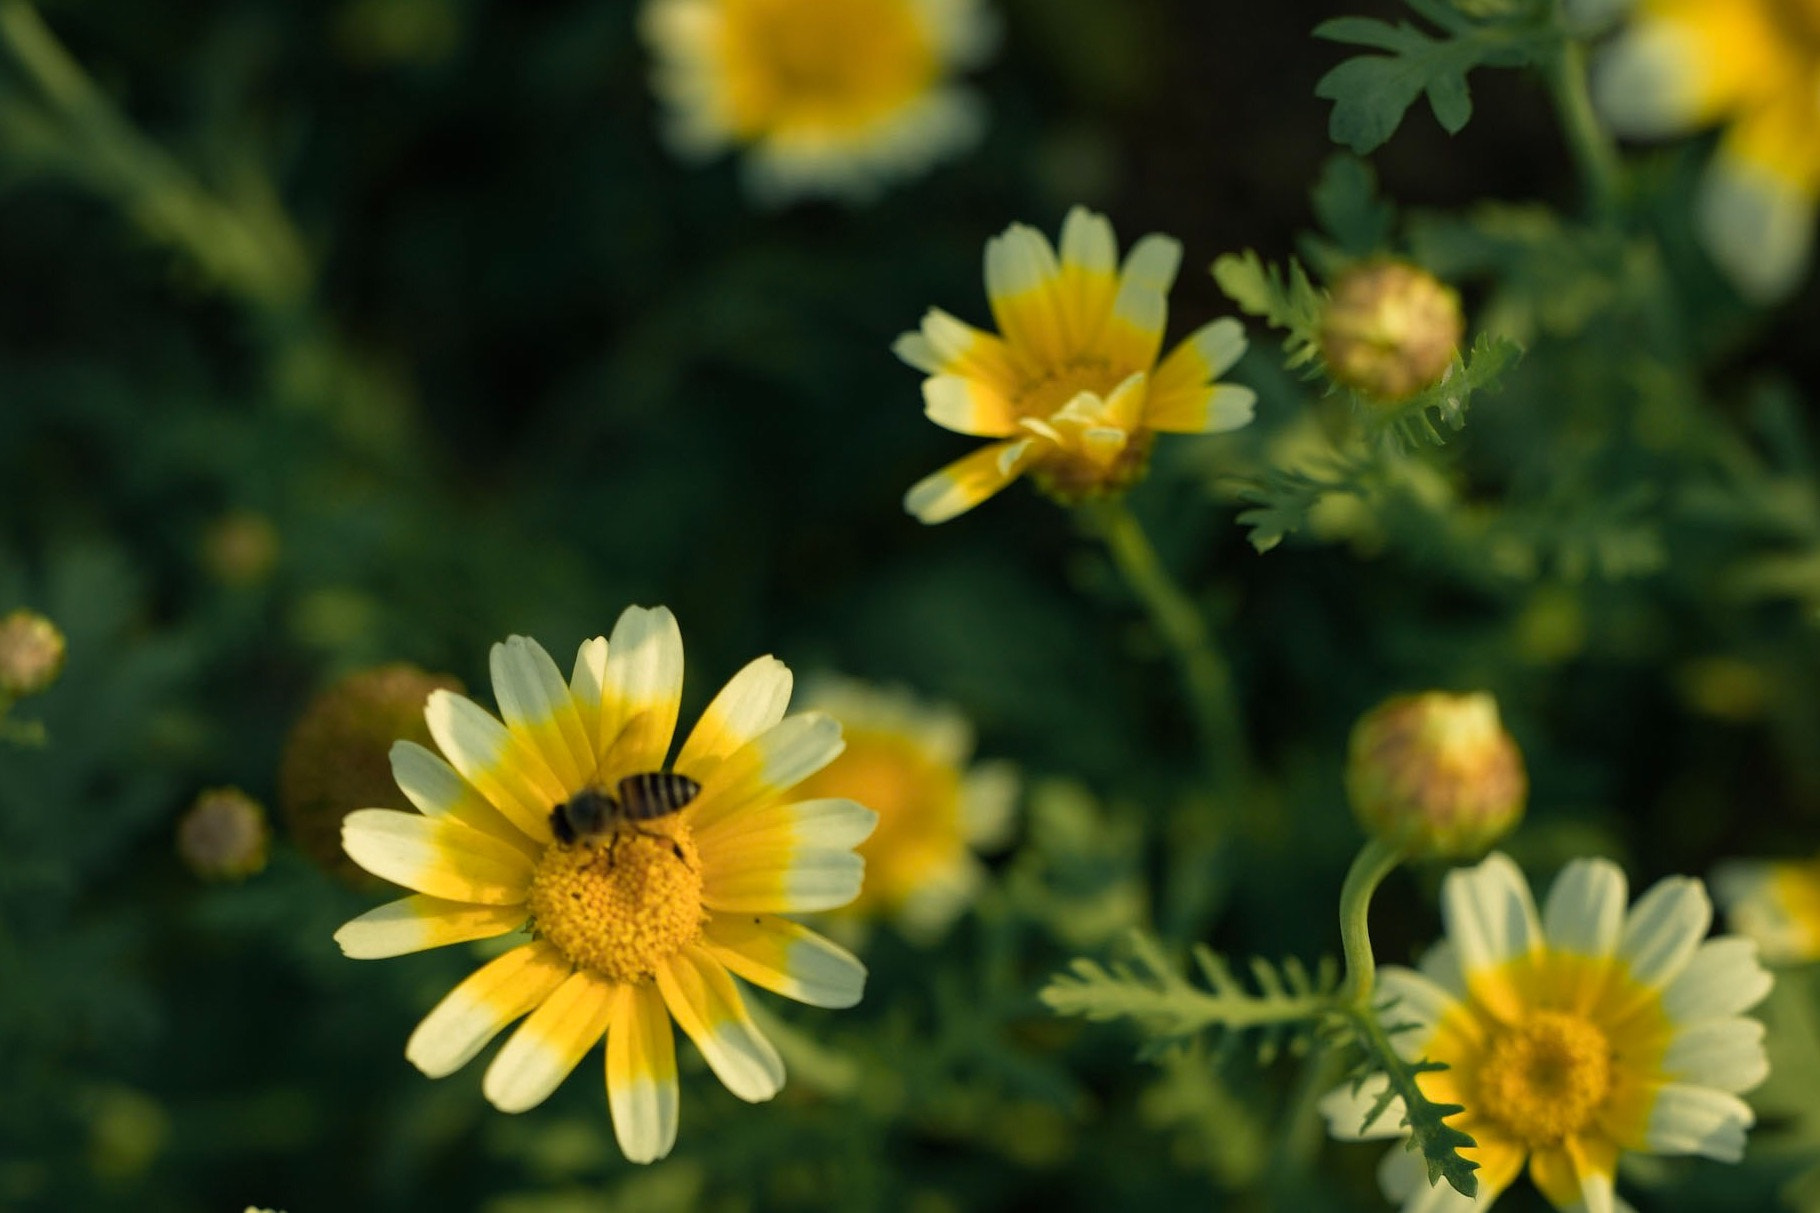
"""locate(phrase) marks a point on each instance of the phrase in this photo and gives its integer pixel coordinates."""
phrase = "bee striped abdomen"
(655, 794)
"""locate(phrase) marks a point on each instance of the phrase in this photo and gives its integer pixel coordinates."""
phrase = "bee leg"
(612, 849)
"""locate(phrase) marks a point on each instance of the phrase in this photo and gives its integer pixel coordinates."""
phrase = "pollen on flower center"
(1041, 397)
(623, 906)
(1545, 1078)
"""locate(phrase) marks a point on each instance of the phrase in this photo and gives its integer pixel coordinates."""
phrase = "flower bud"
(338, 757)
(224, 835)
(1390, 330)
(1436, 773)
(31, 653)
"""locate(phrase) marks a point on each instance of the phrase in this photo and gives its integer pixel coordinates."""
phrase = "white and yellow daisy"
(1070, 388)
(1753, 67)
(907, 760)
(1570, 1035)
(1776, 903)
(830, 97)
(630, 932)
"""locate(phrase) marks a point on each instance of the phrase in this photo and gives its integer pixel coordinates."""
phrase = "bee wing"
(632, 738)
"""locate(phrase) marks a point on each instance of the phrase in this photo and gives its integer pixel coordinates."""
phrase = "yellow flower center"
(826, 64)
(1043, 396)
(623, 904)
(1543, 1079)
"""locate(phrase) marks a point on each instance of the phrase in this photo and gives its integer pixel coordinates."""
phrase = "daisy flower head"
(1753, 67)
(1069, 389)
(1569, 1035)
(1776, 903)
(633, 925)
(828, 97)
(908, 761)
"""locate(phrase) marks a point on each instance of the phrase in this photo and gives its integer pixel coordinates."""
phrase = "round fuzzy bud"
(338, 757)
(1390, 330)
(224, 835)
(31, 653)
(1436, 774)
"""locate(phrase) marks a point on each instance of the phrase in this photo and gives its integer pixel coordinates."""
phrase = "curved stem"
(1374, 862)
(1593, 150)
(1206, 675)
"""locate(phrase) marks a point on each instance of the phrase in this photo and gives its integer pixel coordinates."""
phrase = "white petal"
(548, 1045)
(1489, 913)
(707, 1005)
(1665, 927)
(1345, 1111)
(1725, 1054)
(753, 701)
(644, 678)
(1723, 978)
(1585, 909)
(1645, 82)
(641, 1074)
(1698, 1120)
(537, 705)
(1758, 227)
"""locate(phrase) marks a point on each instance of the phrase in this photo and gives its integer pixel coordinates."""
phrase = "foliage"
(1285, 1006)
(1371, 93)
(412, 293)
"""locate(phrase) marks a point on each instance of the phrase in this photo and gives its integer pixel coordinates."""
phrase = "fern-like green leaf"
(1430, 415)
(1287, 301)
(1280, 1010)
(1283, 497)
(1429, 1132)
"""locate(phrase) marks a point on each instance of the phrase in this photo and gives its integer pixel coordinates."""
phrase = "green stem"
(245, 243)
(1374, 862)
(1205, 673)
(1592, 147)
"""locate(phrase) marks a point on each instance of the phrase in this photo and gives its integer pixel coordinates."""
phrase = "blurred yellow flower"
(1070, 387)
(636, 924)
(31, 653)
(1776, 903)
(1569, 1035)
(907, 761)
(831, 97)
(1752, 66)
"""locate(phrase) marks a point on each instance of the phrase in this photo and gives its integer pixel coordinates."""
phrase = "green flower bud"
(1436, 773)
(338, 757)
(1390, 330)
(31, 653)
(224, 835)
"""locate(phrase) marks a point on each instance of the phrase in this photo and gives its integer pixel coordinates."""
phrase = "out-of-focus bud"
(224, 835)
(338, 757)
(1436, 774)
(1390, 330)
(31, 653)
(240, 548)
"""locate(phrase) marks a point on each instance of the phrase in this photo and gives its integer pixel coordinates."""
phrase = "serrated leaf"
(1285, 301)
(1372, 93)
(1148, 990)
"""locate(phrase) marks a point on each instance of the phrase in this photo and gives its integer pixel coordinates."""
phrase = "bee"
(593, 813)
